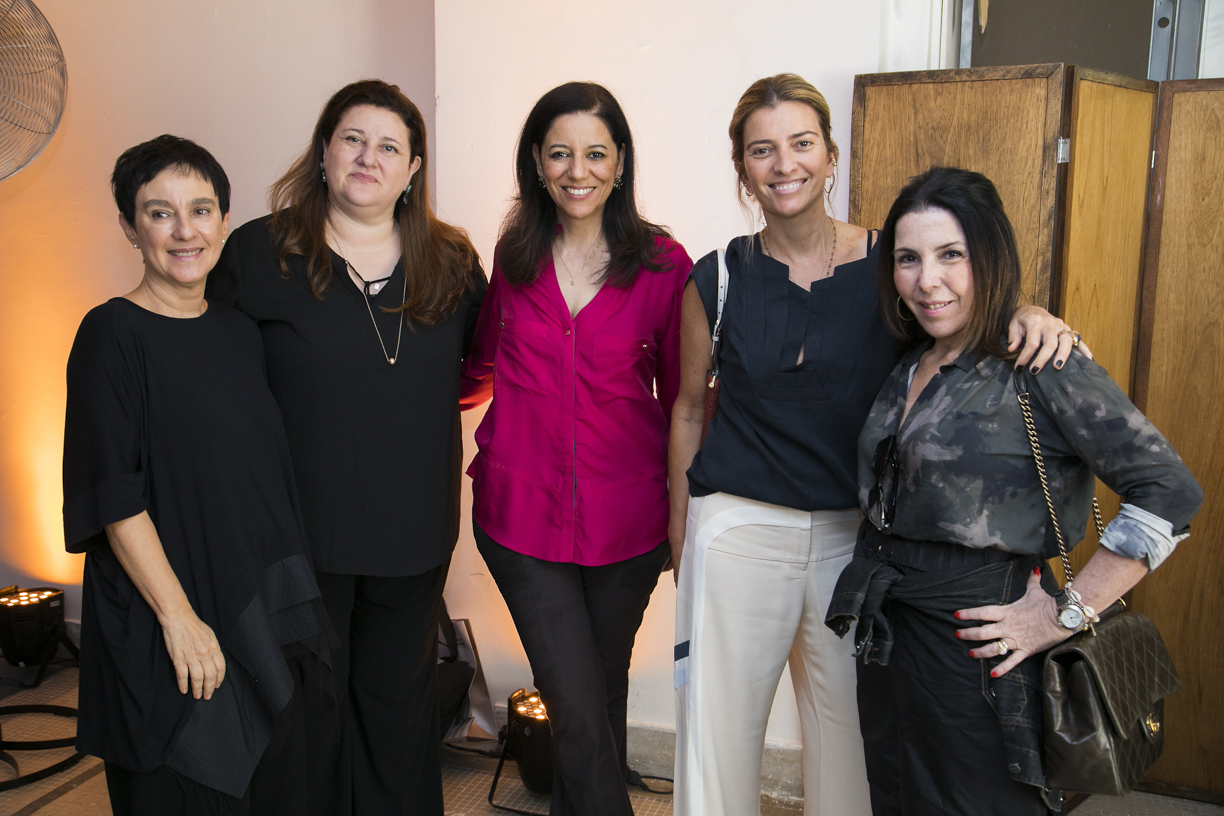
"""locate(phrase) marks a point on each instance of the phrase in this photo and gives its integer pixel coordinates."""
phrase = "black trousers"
(578, 625)
(932, 737)
(383, 758)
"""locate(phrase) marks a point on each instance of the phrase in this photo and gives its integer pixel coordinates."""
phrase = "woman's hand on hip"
(198, 662)
(1027, 627)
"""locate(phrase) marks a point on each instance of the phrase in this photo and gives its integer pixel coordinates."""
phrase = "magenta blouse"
(572, 464)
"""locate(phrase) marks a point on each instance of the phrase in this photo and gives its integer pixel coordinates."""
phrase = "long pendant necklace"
(828, 266)
(365, 293)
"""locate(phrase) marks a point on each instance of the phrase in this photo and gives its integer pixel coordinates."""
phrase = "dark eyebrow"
(941, 246)
(159, 202)
(362, 133)
(792, 136)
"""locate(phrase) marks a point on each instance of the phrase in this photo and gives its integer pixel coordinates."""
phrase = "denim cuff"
(1139, 535)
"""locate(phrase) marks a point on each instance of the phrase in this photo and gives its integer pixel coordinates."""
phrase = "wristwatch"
(1073, 614)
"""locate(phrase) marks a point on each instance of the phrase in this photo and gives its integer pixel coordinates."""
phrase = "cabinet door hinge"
(1064, 151)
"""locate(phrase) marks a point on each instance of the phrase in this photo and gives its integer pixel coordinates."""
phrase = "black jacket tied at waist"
(892, 576)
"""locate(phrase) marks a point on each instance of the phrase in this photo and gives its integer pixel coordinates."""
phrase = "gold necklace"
(365, 292)
(828, 266)
(573, 281)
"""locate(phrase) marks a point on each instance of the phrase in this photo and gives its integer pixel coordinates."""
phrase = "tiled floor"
(81, 789)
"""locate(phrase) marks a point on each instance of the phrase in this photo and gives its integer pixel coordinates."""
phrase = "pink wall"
(245, 79)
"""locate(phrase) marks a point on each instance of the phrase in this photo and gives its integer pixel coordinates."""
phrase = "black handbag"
(1103, 689)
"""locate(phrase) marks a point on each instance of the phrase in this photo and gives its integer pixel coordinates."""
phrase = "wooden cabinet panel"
(1104, 206)
(1003, 122)
(1179, 384)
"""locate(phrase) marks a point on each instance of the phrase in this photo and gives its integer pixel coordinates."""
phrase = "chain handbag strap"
(1022, 396)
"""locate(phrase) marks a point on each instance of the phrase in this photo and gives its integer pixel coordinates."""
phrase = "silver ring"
(1003, 647)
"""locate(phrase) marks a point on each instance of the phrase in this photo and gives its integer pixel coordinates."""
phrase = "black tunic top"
(377, 448)
(785, 433)
(174, 416)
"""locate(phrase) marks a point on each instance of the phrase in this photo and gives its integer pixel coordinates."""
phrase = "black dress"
(174, 416)
(377, 451)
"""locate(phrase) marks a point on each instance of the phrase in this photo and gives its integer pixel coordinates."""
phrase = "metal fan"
(33, 84)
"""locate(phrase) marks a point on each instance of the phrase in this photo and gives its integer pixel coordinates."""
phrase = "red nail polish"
(956, 615)
(994, 673)
(971, 654)
(956, 633)
(1036, 570)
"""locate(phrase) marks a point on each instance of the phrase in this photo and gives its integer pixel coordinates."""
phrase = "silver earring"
(617, 183)
(406, 191)
(135, 246)
(543, 185)
(323, 171)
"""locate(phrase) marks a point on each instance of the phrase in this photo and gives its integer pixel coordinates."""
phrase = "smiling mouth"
(184, 253)
(579, 192)
(934, 307)
(787, 186)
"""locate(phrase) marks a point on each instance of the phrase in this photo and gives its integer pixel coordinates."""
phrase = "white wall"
(246, 80)
(1211, 55)
(677, 68)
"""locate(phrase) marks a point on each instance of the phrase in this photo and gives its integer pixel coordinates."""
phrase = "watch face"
(1070, 618)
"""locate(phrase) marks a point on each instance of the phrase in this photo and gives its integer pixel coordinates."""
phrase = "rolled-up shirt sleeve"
(104, 480)
(1129, 454)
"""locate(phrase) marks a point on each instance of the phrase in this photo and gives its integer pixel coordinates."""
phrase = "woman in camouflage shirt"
(956, 534)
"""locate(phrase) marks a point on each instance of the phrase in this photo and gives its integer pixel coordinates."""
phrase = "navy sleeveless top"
(786, 433)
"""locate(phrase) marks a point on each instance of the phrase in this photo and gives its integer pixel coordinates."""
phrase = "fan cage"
(33, 84)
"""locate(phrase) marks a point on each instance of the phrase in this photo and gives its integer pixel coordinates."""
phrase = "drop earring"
(542, 184)
(323, 170)
(405, 196)
(617, 183)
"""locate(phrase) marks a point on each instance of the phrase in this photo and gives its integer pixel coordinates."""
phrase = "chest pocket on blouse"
(624, 366)
(527, 357)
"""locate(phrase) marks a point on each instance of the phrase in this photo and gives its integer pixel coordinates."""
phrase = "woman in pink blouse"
(579, 341)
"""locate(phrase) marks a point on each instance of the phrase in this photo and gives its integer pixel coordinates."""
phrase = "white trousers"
(755, 584)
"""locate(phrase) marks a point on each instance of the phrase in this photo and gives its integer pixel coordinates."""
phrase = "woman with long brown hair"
(764, 515)
(367, 303)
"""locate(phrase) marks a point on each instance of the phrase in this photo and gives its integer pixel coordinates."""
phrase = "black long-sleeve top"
(376, 448)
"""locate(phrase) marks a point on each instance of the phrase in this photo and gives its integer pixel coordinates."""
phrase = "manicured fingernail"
(1034, 369)
(1058, 364)
(956, 615)
(1019, 366)
(971, 654)
(956, 633)
(1036, 570)
(994, 673)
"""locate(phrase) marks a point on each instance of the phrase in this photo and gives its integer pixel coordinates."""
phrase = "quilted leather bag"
(1103, 689)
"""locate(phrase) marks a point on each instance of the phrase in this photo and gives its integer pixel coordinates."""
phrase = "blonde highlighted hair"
(770, 92)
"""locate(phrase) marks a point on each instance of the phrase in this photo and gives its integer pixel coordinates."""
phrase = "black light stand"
(529, 743)
(32, 628)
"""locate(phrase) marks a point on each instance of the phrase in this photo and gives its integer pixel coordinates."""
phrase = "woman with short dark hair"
(578, 342)
(200, 617)
(367, 303)
(957, 532)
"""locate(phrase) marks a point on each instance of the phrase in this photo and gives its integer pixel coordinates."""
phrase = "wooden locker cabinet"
(1072, 152)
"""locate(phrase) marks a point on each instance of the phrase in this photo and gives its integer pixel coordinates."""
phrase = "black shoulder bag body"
(1103, 689)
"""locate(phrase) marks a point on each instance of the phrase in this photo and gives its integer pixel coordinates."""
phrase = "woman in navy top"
(770, 517)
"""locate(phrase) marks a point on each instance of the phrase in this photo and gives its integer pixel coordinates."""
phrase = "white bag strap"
(723, 276)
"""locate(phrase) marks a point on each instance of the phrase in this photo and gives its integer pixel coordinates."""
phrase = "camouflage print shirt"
(963, 472)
